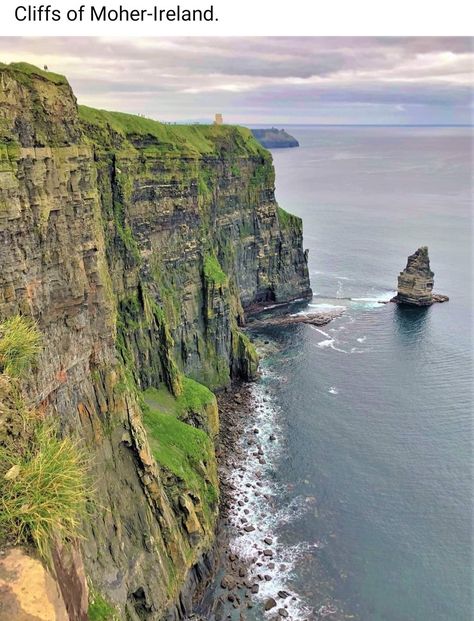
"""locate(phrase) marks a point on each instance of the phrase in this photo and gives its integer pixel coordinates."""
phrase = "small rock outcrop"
(415, 283)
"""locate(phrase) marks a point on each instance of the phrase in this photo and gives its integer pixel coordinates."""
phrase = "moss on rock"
(187, 454)
(196, 405)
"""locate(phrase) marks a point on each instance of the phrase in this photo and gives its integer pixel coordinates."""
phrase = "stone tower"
(218, 120)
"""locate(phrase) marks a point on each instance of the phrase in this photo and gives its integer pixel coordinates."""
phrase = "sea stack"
(415, 283)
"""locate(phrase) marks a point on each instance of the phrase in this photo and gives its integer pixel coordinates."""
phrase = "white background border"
(264, 18)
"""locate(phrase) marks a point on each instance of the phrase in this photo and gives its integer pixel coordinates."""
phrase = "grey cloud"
(289, 76)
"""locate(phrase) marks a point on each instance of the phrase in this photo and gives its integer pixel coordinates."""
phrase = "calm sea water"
(370, 474)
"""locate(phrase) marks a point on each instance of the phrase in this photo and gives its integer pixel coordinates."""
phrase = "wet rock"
(228, 582)
(269, 604)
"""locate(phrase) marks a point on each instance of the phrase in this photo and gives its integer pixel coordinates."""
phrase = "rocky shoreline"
(240, 589)
(313, 319)
(237, 582)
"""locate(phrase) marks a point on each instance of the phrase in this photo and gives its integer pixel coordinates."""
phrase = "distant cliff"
(137, 249)
(275, 138)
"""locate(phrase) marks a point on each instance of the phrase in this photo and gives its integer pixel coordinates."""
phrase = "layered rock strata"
(138, 248)
(416, 281)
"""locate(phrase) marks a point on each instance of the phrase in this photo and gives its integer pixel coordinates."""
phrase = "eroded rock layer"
(138, 247)
(416, 281)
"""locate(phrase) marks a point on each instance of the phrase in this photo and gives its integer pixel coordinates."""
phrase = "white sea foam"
(329, 341)
(361, 339)
(375, 301)
(325, 306)
(264, 512)
(333, 390)
(321, 332)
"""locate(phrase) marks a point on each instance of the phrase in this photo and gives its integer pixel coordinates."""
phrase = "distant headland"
(274, 138)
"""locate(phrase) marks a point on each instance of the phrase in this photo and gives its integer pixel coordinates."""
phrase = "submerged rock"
(415, 283)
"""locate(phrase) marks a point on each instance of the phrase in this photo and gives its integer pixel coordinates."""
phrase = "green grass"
(20, 343)
(14, 413)
(195, 139)
(43, 489)
(286, 219)
(194, 398)
(213, 271)
(30, 70)
(9, 153)
(186, 452)
(195, 395)
(100, 609)
(43, 482)
(195, 405)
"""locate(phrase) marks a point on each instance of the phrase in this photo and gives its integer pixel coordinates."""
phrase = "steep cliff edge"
(137, 248)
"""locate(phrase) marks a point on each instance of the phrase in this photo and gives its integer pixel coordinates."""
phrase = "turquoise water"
(371, 469)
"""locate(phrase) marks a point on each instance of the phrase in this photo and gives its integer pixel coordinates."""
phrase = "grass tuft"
(43, 489)
(20, 343)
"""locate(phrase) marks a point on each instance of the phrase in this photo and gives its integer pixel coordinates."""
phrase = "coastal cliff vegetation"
(132, 252)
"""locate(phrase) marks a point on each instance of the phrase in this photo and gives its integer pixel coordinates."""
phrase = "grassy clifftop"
(197, 140)
(24, 70)
(117, 128)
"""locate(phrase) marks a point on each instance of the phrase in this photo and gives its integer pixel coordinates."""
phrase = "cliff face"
(137, 248)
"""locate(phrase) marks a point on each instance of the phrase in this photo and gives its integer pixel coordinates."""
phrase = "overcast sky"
(264, 79)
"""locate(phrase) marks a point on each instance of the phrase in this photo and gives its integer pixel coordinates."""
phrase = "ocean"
(368, 473)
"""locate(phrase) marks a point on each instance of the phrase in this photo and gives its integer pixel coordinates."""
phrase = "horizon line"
(280, 124)
(368, 124)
